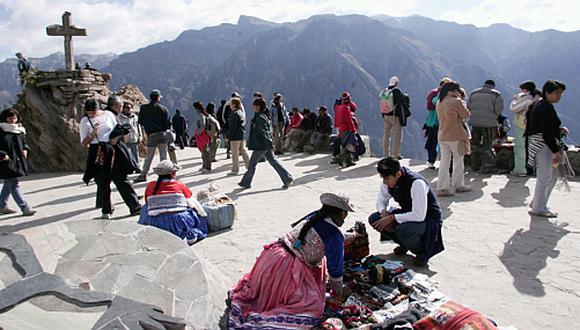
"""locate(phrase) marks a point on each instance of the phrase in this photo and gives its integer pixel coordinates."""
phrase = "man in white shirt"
(416, 224)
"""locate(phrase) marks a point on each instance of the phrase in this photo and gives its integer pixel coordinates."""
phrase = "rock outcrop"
(51, 106)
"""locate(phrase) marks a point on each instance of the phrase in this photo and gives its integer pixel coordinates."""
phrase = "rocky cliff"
(51, 106)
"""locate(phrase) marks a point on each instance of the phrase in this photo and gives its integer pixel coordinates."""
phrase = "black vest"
(402, 195)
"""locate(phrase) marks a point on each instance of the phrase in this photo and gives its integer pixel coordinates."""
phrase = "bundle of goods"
(220, 209)
(359, 247)
(385, 294)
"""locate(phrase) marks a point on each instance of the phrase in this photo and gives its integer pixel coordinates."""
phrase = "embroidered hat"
(340, 201)
(393, 81)
(166, 167)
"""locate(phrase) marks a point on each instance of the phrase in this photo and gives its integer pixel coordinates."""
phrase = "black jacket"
(179, 125)
(12, 145)
(154, 118)
(324, 124)
(542, 118)
(237, 125)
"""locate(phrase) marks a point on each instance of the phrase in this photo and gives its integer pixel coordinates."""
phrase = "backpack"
(404, 111)
(386, 101)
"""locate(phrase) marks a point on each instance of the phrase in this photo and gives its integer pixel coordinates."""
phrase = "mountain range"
(311, 62)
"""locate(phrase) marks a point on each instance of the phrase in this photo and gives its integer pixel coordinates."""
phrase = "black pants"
(124, 187)
(336, 144)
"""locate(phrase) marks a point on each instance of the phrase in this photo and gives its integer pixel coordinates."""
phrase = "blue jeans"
(409, 235)
(11, 186)
(134, 147)
(269, 155)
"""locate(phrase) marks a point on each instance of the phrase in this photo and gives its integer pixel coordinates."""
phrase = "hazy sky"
(117, 26)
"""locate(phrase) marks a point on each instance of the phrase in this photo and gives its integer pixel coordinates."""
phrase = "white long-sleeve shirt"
(419, 191)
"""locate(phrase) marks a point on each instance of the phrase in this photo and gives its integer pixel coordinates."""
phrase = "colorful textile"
(166, 203)
(280, 292)
(185, 224)
(167, 187)
(453, 316)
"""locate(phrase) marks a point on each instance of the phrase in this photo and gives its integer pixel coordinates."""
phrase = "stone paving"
(518, 270)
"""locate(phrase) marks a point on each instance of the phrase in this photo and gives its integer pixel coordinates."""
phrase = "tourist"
(485, 105)
(322, 129)
(336, 143)
(179, 125)
(94, 129)
(23, 64)
(280, 120)
(235, 135)
(453, 139)
(214, 130)
(519, 106)
(13, 164)
(287, 285)
(347, 129)
(135, 136)
(260, 142)
(169, 205)
(308, 125)
(416, 224)
(114, 104)
(223, 125)
(545, 146)
(156, 122)
(431, 125)
(391, 102)
(294, 130)
(202, 137)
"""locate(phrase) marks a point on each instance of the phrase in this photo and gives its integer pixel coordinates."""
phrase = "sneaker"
(232, 173)
(140, 179)
(463, 189)
(545, 214)
(6, 210)
(105, 216)
(28, 212)
(431, 166)
(444, 193)
(287, 184)
(400, 250)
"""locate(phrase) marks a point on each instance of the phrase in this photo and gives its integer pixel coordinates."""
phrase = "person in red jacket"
(294, 132)
(347, 128)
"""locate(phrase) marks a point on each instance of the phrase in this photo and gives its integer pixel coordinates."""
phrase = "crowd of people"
(289, 277)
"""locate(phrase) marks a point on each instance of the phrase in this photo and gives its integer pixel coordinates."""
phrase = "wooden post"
(67, 30)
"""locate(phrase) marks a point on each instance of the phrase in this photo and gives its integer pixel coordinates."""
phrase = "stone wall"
(51, 106)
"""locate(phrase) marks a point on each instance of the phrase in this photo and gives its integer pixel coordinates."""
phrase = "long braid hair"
(325, 211)
(159, 179)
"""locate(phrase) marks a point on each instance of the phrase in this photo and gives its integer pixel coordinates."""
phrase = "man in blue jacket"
(416, 225)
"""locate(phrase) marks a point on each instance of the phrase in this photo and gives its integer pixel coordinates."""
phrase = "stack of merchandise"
(385, 294)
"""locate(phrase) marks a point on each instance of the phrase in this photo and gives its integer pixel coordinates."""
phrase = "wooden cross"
(68, 31)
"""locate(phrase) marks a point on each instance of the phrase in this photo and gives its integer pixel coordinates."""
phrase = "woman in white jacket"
(519, 106)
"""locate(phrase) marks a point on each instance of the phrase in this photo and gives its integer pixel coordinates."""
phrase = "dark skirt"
(186, 224)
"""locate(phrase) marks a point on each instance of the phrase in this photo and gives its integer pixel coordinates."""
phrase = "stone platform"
(516, 269)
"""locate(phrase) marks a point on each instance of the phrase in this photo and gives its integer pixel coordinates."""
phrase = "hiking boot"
(27, 211)
(140, 179)
(444, 193)
(6, 210)
(420, 261)
(463, 189)
(400, 250)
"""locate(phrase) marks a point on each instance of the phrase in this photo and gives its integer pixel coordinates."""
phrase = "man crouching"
(416, 225)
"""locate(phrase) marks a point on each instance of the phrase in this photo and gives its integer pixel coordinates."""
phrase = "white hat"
(340, 201)
(393, 81)
(166, 167)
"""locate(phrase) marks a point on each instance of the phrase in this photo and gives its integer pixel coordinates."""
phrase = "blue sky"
(117, 26)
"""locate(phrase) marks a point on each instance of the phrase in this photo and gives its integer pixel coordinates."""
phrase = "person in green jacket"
(260, 142)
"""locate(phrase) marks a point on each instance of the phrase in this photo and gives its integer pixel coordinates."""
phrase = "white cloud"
(122, 25)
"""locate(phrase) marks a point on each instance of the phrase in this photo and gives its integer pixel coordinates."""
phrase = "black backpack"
(405, 109)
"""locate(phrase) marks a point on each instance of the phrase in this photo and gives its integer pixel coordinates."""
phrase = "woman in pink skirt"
(286, 287)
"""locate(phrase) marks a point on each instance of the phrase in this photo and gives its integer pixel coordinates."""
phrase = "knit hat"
(166, 167)
(345, 97)
(340, 201)
(393, 81)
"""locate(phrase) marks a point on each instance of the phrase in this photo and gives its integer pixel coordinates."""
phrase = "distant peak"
(251, 20)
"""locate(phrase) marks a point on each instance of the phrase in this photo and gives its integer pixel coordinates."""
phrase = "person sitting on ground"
(294, 131)
(416, 225)
(503, 129)
(169, 205)
(308, 125)
(13, 164)
(286, 287)
(322, 130)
